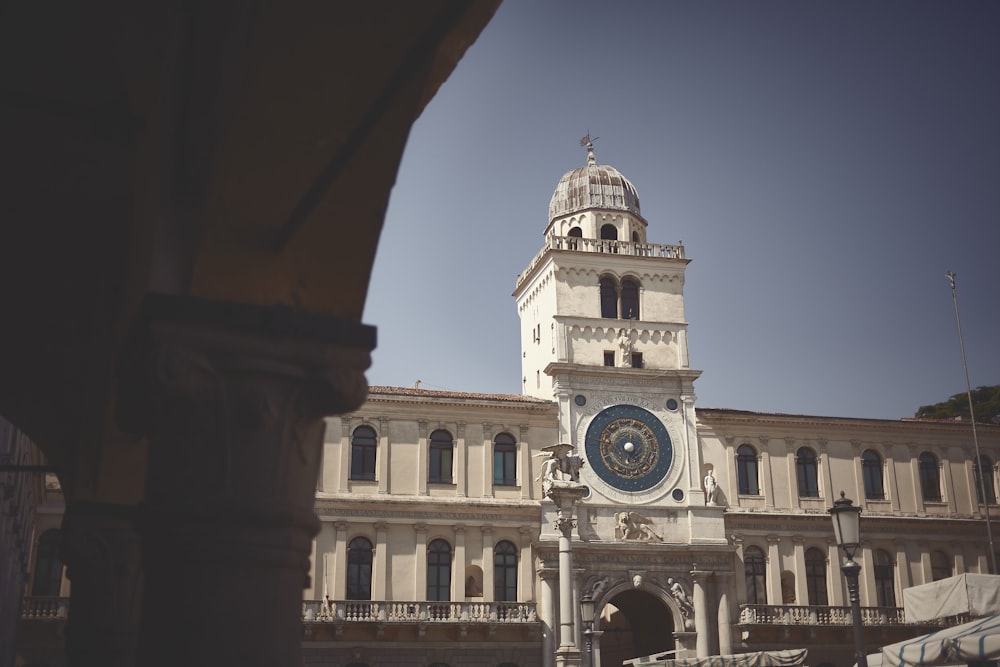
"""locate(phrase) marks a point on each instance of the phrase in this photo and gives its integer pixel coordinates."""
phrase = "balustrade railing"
(766, 614)
(364, 611)
(45, 609)
(604, 245)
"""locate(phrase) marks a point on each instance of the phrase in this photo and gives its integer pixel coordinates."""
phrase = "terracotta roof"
(377, 390)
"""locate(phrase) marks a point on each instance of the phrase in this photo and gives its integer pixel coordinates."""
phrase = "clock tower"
(603, 333)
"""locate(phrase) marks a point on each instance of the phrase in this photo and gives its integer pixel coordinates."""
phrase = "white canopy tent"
(978, 640)
(972, 594)
(786, 658)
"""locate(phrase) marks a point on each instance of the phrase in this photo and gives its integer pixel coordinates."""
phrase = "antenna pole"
(975, 437)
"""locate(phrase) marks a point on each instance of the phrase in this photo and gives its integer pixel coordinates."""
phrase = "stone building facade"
(696, 530)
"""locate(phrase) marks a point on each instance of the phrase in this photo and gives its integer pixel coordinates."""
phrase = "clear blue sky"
(824, 163)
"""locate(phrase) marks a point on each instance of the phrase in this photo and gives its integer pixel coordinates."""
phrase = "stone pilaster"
(101, 549)
(231, 398)
(725, 614)
(701, 620)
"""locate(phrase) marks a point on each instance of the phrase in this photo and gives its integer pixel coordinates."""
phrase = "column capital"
(232, 398)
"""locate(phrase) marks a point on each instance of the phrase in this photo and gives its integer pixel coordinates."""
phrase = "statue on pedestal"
(561, 470)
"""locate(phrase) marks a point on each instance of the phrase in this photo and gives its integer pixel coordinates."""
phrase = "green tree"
(985, 403)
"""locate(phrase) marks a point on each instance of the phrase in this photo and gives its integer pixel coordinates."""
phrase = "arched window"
(359, 569)
(816, 577)
(504, 460)
(635, 237)
(630, 299)
(746, 470)
(610, 233)
(439, 466)
(871, 473)
(364, 445)
(983, 472)
(609, 298)
(505, 572)
(756, 575)
(940, 566)
(575, 234)
(438, 571)
(885, 585)
(807, 473)
(48, 565)
(930, 477)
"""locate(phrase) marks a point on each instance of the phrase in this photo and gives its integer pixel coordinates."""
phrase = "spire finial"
(588, 143)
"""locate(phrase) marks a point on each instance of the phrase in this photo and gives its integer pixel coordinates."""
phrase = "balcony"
(45, 609)
(626, 248)
(408, 621)
(784, 615)
(365, 611)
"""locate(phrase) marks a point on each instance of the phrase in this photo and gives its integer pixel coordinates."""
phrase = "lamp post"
(847, 532)
(587, 608)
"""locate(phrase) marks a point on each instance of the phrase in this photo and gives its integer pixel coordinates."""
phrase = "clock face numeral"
(628, 447)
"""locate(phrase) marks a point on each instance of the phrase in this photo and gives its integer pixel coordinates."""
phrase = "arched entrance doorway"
(634, 623)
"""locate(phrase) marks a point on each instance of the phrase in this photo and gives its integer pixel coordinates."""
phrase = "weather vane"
(588, 143)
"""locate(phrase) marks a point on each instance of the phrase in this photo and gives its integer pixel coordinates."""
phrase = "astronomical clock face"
(628, 448)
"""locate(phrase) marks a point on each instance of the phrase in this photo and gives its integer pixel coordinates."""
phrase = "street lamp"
(847, 531)
(587, 608)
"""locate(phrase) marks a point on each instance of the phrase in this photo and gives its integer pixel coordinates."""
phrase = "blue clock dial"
(628, 447)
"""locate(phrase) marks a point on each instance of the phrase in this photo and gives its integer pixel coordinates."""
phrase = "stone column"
(701, 622)
(380, 574)
(774, 596)
(725, 615)
(524, 578)
(100, 547)
(458, 581)
(741, 579)
(793, 477)
(338, 573)
(902, 564)
(344, 459)
(547, 615)
(801, 587)
(487, 460)
(568, 653)
(835, 576)
(420, 583)
(766, 474)
(231, 398)
(423, 456)
(525, 478)
(383, 456)
(488, 592)
(461, 465)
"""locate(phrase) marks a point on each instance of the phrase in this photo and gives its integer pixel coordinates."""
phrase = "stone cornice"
(722, 416)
